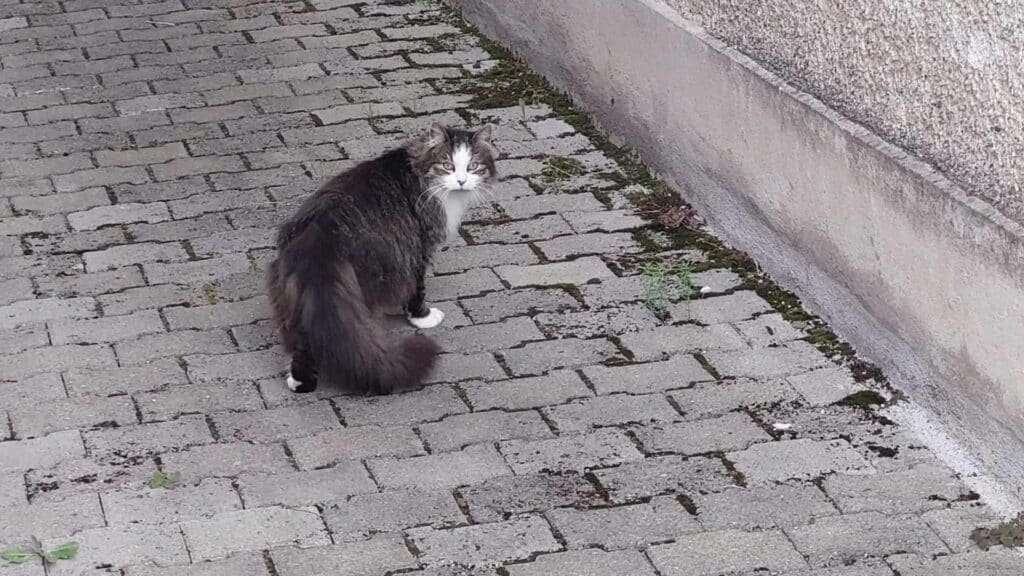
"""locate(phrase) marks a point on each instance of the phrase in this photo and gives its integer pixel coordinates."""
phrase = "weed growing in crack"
(663, 284)
(558, 170)
(1009, 534)
(65, 551)
(164, 480)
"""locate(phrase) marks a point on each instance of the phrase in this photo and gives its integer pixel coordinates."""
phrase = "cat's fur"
(360, 246)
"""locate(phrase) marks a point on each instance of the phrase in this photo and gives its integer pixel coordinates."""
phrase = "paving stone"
(663, 519)
(532, 206)
(636, 481)
(380, 554)
(91, 284)
(461, 367)
(55, 359)
(448, 470)
(276, 425)
(488, 337)
(196, 399)
(217, 315)
(241, 367)
(712, 398)
(230, 532)
(768, 330)
(678, 372)
(12, 490)
(122, 546)
(825, 386)
(995, 562)
(30, 393)
(728, 551)
(629, 318)
(227, 460)
(143, 439)
(555, 388)
(197, 272)
(484, 544)
(577, 272)
(69, 413)
(788, 360)
(469, 283)
(148, 348)
(51, 519)
(586, 563)
(841, 540)
(166, 506)
(955, 525)
(107, 329)
(44, 310)
(360, 516)
(607, 221)
(917, 490)
(460, 259)
(306, 488)
(618, 409)
(762, 507)
(456, 432)
(431, 403)
(586, 244)
(128, 254)
(541, 357)
(88, 475)
(664, 341)
(730, 432)
(798, 459)
(24, 337)
(508, 303)
(242, 564)
(598, 449)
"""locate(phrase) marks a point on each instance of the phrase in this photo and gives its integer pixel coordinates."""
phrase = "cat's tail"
(336, 329)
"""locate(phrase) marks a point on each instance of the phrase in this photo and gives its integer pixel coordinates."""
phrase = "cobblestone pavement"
(147, 150)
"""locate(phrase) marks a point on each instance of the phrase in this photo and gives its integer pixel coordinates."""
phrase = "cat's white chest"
(454, 211)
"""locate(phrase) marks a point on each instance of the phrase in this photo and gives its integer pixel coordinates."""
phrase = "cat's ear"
(483, 135)
(438, 134)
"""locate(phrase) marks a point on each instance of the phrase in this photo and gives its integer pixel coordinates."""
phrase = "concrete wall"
(924, 279)
(943, 79)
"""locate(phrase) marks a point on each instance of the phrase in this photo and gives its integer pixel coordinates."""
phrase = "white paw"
(293, 384)
(429, 321)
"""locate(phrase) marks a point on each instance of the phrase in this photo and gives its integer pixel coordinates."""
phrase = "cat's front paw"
(432, 319)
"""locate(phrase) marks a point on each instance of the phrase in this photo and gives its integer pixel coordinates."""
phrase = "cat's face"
(459, 161)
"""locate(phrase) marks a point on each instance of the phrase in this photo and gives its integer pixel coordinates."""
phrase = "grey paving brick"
(65, 414)
(919, 489)
(469, 283)
(636, 526)
(277, 424)
(227, 460)
(508, 303)
(762, 507)
(730, 308)
(217, 315)
(143, 439)
(242, 564)
(143, 297)
(107, 329)
(19, 225)
(148, 348)
(55, 359)
(586, 562)
(461, 367)
(662, 342)
(728, 551)
(166, 506)
(30, 393)
(61, 203)
(431, 403)
(44, 452)
(379, 555)
(12, 490)
(44, 310)
(798, 459)
(995, 562)
(735, 431)
(87, 475)
(129, 379)
(360, 516)
(635, 481)
(792, 358)
(197, 272)
(484, 544)
(541, 357)
(956, 524)
(532, 206)
(122, 546)
(576, 272)
(586, 244)
(825, 386)
(626, 319)
(180, 167)
(128, 254)
(309, 487)
(448, 470)
(598, 449)
(240, 367)
(555, 388)
(460, 259)
(711, 398)
(840, 540)
(618, 409)
(230, 532)
(456, 432)
(45, 166)
(768, 330)
(506, 496)
(197, 399)
(488, 337)
(678, 372)
(23, 338)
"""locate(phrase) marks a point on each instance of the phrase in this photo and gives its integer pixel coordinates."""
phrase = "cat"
(361, 246)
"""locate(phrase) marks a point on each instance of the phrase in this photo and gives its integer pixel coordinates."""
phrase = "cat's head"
(457, 160)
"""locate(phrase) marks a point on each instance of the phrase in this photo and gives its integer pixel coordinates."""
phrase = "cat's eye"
(474, 166)
(448, 166)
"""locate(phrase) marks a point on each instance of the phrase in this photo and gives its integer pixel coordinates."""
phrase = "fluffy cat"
(360, 246)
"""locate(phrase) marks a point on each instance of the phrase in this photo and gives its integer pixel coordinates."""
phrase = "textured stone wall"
(941, 78)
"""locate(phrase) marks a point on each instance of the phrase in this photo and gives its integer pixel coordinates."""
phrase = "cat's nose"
(461, 181)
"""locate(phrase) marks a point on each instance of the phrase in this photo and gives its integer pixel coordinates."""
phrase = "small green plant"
(1009, 534)
(558, 169)
(663, 284)
(65, 551)
(164, 480)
